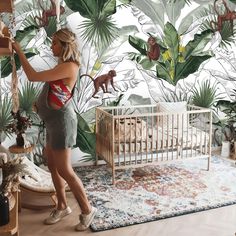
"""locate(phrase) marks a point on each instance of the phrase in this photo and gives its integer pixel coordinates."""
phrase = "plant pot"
(225, 149)
(20, 140)
(4, 210)
(233, 152)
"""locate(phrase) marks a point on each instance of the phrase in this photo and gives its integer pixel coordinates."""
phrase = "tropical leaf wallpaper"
(161, 50)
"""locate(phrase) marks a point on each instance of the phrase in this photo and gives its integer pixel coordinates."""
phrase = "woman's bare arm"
(61, 71)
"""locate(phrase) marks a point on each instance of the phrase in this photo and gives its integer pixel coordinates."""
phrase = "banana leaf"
(228, 107)
(138, 44)
(23, 37)
(171, 40)
(6, 67)
(151, 10)
(188, 67)
(173, 9)
(188, 20)
(86, 139)
(197, 44)
(142, 45)
(163, 72)
(109, 8)
(26, 35)
(126, 1)
(142, 60)
(91, 8)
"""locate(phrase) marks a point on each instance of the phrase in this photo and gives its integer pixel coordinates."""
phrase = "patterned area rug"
(158, 191)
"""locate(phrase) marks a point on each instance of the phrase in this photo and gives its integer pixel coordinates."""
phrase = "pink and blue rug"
(158, 191)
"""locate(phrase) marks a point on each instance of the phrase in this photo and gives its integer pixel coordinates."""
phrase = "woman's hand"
(16, 46)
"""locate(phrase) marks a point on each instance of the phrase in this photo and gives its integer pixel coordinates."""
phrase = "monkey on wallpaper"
(154, 49)
(102, 80)
(227, 16)
(46, 13)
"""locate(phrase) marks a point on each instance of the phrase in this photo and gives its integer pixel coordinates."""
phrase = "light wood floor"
(217, 222)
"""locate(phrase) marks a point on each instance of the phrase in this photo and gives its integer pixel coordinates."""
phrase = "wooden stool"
(17, 150)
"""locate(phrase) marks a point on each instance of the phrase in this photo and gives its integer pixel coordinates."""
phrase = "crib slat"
(118, 123)
(162, 139)
(124, 143)
(168, 136)
(187, 135)
(157, 135)
(146, 136)
(172, 139)
(151, 139)
(182, 135)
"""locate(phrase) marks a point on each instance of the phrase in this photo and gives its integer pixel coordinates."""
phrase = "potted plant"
(228, 124)
(12, 169)
(24, 117)
(19, 125)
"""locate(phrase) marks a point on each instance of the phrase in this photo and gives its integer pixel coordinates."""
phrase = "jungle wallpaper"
(161, 50)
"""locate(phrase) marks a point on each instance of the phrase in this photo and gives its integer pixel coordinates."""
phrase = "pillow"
(30, 169)
(175, 120)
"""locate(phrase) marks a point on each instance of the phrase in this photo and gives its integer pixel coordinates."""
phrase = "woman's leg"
(62, 161)
(58, 181)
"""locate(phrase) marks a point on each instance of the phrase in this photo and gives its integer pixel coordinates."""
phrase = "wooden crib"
(143, 135)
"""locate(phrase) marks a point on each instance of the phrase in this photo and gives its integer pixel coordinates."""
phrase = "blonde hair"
(70, 50)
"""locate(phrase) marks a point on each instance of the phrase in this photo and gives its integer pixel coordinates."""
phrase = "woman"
(54, 106)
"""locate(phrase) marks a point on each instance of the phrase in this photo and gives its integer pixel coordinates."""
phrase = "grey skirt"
(61, 124)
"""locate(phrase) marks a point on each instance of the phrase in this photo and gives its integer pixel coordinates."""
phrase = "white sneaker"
(57, 215)
(86, 220)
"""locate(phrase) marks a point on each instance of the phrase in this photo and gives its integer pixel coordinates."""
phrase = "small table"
(14, 149)
(12, 227)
